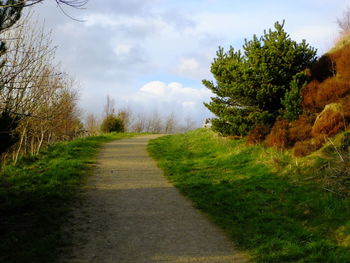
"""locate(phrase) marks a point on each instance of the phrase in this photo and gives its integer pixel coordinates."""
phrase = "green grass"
(36, 195)
(258, 197)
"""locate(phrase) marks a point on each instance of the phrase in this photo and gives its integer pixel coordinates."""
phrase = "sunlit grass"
(258, 196)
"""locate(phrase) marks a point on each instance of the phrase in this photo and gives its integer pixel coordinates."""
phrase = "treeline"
(38, 102)
(125, 119)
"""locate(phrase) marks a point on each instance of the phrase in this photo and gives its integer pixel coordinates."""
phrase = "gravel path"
(130, 213)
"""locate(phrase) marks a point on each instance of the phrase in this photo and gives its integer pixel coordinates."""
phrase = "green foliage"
(292, 99)
(36, 195)
(112, 123)
(275, 217)
(254, 84)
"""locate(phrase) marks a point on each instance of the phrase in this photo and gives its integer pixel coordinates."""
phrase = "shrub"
(300, 130)
(343, 63)
(323, 68)
(330, 91)
(258, 134)
(316, 95)
(260, 83)
(303, 148)
(278, 136)
(112, 124)
(292, 98)
(309, 94)
(330, 121)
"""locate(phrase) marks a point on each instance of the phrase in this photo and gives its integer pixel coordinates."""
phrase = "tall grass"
(36, 195)
(258, 197)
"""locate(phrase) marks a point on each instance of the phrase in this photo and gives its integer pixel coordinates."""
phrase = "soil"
(130, 213)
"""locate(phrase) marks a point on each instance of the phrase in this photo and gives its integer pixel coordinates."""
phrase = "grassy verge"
(277, 217)
(35, 198)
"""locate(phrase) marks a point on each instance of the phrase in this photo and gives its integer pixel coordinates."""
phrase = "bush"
(330, 91)
(278, 136)
(303, 148)
(112, 124)
(300, 130)
(258, 134)
(260, 83)
(316, 95)
(293, 99)
(309, 94)
(330, 121)
(323, 68)
(343, 62)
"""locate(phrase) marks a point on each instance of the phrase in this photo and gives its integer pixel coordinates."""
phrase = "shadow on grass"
(36, 195)
(277, 221)
(267, 214)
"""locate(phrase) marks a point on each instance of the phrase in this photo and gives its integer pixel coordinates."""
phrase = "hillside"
(325, 106)
(277, 207)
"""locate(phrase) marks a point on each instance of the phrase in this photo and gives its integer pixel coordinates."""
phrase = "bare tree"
(26, 3)
(109, 108)
(38, 99)
(189, 123)
(154, 123)
(344, 21)
(170, 123)
(29, 53)
(92, 125)
(139, 123)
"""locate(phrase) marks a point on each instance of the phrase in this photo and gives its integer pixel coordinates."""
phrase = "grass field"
(260, 197)
(36, 195)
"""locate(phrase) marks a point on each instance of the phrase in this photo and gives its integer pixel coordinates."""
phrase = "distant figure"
(207, 123)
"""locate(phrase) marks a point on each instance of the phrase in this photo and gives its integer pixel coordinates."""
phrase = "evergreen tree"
(251, 87)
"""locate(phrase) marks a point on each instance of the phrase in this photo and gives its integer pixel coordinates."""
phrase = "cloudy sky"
(151, 55)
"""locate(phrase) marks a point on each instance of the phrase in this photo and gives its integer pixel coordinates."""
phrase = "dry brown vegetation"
(39, 99)
(325, 104)
(258, 134)
(278, 137)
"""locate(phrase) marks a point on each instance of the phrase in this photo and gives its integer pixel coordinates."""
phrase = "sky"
(152, 55)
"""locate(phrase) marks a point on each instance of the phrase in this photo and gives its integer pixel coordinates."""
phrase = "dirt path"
(130, 213)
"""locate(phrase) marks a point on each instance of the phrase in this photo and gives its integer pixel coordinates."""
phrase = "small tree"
(251, 87)
(112, 123)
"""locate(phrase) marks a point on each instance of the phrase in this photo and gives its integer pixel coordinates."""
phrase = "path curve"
(130, 213)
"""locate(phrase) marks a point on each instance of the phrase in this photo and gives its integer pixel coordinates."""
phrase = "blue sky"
(152, 54)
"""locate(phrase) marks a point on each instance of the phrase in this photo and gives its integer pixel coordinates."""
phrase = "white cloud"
(154, 88)
(193, 67)
(173, 92)
(102, 20)
(122, 49)
(130, 25)
(172, 98)
(321, 36)
(188, 64)
(127, 41)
